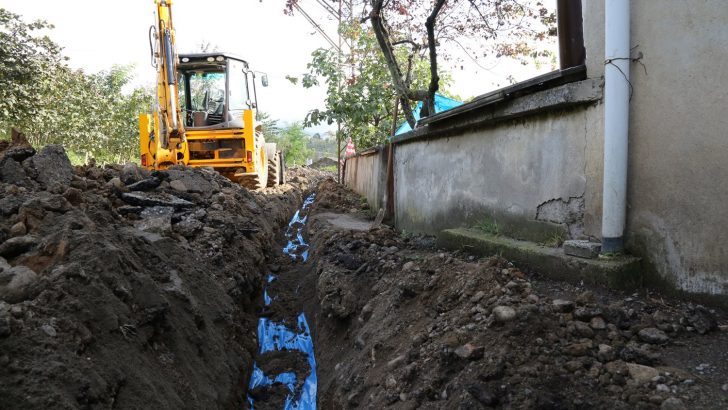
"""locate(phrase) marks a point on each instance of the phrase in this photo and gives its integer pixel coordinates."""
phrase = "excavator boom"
(167, 90)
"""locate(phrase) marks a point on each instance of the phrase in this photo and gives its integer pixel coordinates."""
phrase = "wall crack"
(568, 212)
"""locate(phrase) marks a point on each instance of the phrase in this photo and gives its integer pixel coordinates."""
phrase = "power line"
(317, 27)
(328, 8)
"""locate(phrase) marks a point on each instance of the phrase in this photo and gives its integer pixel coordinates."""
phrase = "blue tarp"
(266, 298)
(296, 246)
(274, 336)
(442, 103)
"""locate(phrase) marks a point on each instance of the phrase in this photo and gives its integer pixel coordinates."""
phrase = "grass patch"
(611, 255)
(556, 240)
(489, 226)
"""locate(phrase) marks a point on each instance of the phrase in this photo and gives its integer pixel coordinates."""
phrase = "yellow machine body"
(208, 149)
(204, 114)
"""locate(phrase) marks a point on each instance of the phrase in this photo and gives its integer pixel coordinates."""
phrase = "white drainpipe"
(616, 123)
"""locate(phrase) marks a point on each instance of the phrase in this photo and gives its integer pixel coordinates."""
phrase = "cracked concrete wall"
(568, 212)
(506, 174)
(531, 176)
(678, 140)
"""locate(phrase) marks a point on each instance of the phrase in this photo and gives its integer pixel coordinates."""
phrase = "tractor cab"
(215, 89)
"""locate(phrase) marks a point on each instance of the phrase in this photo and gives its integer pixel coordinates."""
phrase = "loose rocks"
(653, 335)
(642, 374)
(155, 199)
(15, 246)
(51, 166)
(503, 314)
(563, 306)
(16, 283)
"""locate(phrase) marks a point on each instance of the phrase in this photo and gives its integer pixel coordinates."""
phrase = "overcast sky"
(98, 34)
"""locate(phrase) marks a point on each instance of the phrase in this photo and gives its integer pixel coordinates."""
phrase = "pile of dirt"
(323, 162)
(125, 288)
(404, 325)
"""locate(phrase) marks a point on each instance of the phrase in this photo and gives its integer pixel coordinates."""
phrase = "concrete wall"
(527, 177)
(366, 175)
(677, 194)
(541, 175)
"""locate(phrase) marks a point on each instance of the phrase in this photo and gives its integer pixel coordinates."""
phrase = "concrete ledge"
(622, 272)
(369, 151)
(582, 248)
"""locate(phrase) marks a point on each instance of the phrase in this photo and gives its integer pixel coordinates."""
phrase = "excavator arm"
(163, 139)
(167, 90)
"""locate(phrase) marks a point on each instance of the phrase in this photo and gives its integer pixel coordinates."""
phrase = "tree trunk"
(400, 84)
(434, 77)
(386, 45)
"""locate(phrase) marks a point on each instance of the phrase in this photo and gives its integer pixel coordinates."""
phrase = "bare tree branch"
(384, 43)
(428, 106)
(410, 42)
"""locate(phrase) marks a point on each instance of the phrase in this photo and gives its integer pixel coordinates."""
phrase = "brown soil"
(404, 325)
(121, 288)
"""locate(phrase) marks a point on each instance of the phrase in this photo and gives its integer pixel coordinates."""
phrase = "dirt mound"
(403, 325)
(125, 288)
(323, 163)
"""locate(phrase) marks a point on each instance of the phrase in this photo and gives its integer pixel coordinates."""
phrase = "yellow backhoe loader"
(205, 113)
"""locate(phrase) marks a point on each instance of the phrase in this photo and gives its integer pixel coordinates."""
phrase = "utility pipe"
(617, 91)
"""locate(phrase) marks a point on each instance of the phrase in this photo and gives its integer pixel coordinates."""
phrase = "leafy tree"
(322, 147)
(359, 92)
(510, 25)
(407, 29)
(89, 114)
(116, 113)
(271, 130)
(29, 62)
(293, 141)
(315, 146)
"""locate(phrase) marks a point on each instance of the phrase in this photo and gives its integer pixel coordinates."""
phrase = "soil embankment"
(404, 325)
(121, 288)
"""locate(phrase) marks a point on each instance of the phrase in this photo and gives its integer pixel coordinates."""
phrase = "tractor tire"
(274, 164)
(259, 181)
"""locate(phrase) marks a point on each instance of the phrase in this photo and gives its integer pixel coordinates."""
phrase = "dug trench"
(126, 289)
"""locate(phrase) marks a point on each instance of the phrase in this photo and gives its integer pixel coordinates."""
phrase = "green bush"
(53, 104)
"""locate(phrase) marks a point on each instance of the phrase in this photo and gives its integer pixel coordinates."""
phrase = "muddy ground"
(121, 288)
(404, 325)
